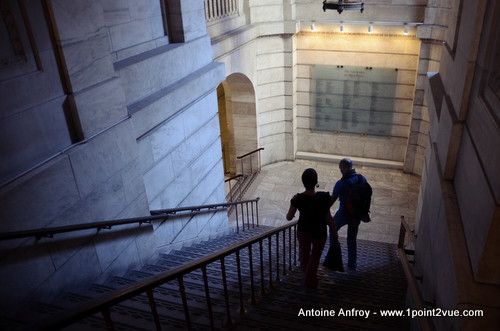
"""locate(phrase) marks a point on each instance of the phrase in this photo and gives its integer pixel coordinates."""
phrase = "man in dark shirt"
(340, 191)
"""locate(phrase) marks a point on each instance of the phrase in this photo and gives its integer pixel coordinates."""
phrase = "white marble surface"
(394, 194)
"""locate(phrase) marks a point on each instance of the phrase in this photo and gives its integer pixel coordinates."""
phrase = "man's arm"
(334, 198)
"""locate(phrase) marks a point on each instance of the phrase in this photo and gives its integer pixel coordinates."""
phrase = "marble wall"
(458, 235)
(124, 121)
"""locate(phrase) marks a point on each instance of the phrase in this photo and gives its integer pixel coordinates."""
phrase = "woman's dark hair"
(309, 178)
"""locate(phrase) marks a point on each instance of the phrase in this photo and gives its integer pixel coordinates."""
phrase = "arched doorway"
(238, 120)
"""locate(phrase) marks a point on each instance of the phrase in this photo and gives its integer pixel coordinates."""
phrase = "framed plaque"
(357, 100)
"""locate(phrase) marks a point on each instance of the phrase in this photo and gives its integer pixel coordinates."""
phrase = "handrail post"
(290, 248)
(237, 220)
(229, 321)
(242, 311)
(257, 210)
(271, 284)
(107, 318)
(295, 245)
(259, 161)
(207, 296)
(184, 301)
(402, 234)
(248, 216)
(285, 273)
(154, 311)
(251, 165)
(252, 287)
(263, 290)
(278, 279)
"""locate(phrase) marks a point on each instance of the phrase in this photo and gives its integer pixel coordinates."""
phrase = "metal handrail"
(417, 298)
(146, 286)
(249, 153)
(156, 215)
(241, 157)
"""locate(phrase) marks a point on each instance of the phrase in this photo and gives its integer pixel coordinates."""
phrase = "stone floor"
(395, 194)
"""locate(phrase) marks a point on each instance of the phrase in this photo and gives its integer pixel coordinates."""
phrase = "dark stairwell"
(263, 290)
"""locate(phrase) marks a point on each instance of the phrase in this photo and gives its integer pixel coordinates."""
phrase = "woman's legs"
(311, 274)
(304, 249)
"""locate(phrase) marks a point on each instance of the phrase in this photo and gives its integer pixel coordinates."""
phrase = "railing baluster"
(270, 264)
(207, 296)
(290, 249)
(252, 286)
(207, 17)
(229, 321)
(295, 245)
(257, 210)
(154, 311)
(237, 220)
(107, 318)
(240, 283)
(242, 218)
(284, 254)
(184, 301)
(278, 257)
(253, 216)
(263, 290)
(217, 9)
(248, 216)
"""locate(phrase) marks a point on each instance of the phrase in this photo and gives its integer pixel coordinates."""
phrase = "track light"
(313, 28)
(406, 29)
(342, 5)
(370, 28)
(341, 27)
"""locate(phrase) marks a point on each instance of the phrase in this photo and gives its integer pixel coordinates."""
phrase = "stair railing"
(239, 184)
(416, 296)
(102, 305)
(156, 215)
(249, 157)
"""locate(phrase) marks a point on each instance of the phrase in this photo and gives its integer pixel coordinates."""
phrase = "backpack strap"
(346, 179)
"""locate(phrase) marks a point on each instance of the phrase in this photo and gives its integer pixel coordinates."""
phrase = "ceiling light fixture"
(406, 29)
(313, 28)
(370, 28)
(341, 27)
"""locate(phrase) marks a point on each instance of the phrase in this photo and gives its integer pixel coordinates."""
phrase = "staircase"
(275, 302)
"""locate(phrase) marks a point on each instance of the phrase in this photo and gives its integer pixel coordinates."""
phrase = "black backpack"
(359, 199)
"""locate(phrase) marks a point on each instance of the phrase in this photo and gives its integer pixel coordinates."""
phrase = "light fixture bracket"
(342, 5)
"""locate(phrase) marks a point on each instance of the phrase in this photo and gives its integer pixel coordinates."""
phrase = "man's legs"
(352, 233)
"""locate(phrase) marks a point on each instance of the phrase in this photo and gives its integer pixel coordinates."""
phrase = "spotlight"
(341, 27)
(313, 28)
(370, 28)
(406, 29)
